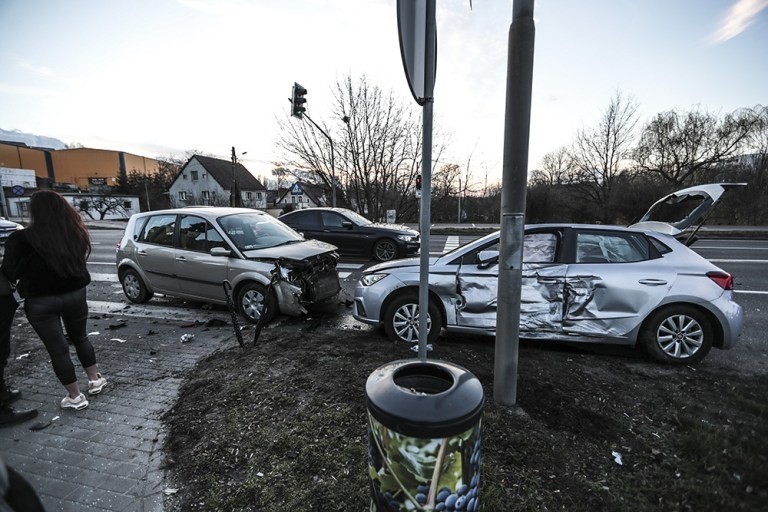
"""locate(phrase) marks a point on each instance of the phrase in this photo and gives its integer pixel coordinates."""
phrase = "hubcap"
(406, 322)
(131, 286)
(680, 336)
(253, 302)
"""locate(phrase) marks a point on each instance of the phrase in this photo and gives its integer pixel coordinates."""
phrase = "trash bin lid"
(427, 399)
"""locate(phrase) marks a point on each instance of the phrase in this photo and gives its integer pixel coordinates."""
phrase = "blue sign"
(17, 190)
(296, 189)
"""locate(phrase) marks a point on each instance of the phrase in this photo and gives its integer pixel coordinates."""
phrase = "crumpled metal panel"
(291, 303)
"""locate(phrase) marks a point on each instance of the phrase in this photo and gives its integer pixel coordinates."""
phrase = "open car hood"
(680, 210)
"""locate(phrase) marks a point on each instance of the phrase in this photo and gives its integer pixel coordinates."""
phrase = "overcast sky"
(160, 77)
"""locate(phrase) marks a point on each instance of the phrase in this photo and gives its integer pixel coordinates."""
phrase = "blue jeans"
(46, 315)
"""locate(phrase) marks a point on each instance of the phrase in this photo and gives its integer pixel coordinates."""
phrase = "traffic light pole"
(333, 165)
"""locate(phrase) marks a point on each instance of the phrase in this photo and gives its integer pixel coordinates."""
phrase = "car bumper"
(732, 321)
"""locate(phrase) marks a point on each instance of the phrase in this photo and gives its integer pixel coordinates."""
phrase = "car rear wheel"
(385, 250)
(251, 300)
(401, 320)
(677, 335)
(134, 288)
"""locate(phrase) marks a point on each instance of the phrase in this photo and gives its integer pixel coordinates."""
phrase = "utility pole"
(517, 126)
(234, 194)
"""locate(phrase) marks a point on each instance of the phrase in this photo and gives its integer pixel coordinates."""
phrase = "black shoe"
(10, 417)
(11, 395)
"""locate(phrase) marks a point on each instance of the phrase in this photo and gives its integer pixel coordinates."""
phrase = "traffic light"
(298, 101)
(418, 182)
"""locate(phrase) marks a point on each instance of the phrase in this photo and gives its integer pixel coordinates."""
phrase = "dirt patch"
(281, 426)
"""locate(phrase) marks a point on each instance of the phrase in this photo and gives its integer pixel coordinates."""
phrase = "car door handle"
(653, 282)
(181, 258)
(141, 253)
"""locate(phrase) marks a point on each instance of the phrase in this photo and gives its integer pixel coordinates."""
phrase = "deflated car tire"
(134, 288)
(677, 335)
(401, 320)
(251, 300)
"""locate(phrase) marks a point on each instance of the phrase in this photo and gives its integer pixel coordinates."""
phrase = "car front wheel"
(251, 301)
(401, 320)
(385, 250)
(134, 288)
(677, 335)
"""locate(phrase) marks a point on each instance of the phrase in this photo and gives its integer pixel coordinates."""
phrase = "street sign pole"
(426, 180)
(417, 31)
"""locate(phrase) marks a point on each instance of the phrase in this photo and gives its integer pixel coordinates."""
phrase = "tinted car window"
(611, 248)
(332, 220)
(197, 234)
(159, 230)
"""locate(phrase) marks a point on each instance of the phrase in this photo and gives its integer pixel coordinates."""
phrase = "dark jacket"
(35, 277)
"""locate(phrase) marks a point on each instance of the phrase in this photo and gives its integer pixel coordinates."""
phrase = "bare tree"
(377, 146)
(600, 154)
(679, 146)
(557, 168)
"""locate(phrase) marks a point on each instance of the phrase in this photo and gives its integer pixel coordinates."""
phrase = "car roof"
(204, 210)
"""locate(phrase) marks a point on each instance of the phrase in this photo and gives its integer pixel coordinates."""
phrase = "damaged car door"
(542, 286)
(200, 273)
(616, 279)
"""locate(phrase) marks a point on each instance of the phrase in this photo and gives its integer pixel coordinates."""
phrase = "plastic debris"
(118, 340)
(22, 356)
(187, 337)
(94, 333)
(415, 348)
(617, 458)
(168, 491)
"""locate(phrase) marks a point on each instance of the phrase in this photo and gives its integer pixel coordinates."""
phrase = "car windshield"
(357, 218)
(250, 231)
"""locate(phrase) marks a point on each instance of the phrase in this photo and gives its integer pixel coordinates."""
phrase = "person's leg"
(8, 307)
(9, 415)
(43, 314)
(75, 317)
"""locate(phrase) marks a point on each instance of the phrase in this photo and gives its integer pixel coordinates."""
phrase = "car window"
(159, 230)
(197, 234)
(138, 226)
(332, 220)
(611, 248)
(250, 231)
(539, 248)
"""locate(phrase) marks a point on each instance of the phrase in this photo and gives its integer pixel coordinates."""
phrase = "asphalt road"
(746, 259)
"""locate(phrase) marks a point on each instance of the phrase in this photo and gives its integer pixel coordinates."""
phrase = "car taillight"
(723, 279)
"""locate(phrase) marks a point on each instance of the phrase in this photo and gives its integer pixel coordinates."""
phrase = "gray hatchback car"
(581, 283)
(191, 252)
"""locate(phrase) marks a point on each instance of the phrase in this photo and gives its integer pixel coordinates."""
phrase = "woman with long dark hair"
(48, 259)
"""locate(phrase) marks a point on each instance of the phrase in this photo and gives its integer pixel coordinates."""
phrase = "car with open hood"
(191, 252)
(353, 234)
(580, 283)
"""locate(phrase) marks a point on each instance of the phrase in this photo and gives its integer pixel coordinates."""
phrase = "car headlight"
(370, 279)
(407, 238)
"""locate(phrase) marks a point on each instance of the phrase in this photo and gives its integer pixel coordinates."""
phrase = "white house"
(303, 195)
(205, 180)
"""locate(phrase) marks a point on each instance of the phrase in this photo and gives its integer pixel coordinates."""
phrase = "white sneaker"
(74, 403)
(94, 386)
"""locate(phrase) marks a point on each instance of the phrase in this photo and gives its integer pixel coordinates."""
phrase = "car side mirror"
(346, 224)
(485, 259)
(220, 251)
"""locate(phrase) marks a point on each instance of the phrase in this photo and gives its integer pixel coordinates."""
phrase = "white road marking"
(751, 291)
(451, 243)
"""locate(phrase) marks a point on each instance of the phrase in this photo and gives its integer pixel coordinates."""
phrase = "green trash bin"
(424, 436)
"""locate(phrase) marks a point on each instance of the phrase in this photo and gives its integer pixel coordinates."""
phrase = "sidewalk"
(107, 457)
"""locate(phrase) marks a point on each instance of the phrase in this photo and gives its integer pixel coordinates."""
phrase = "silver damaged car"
(580, 283)
(190, 252)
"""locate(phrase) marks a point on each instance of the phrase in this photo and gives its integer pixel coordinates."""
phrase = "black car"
(353, 234)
